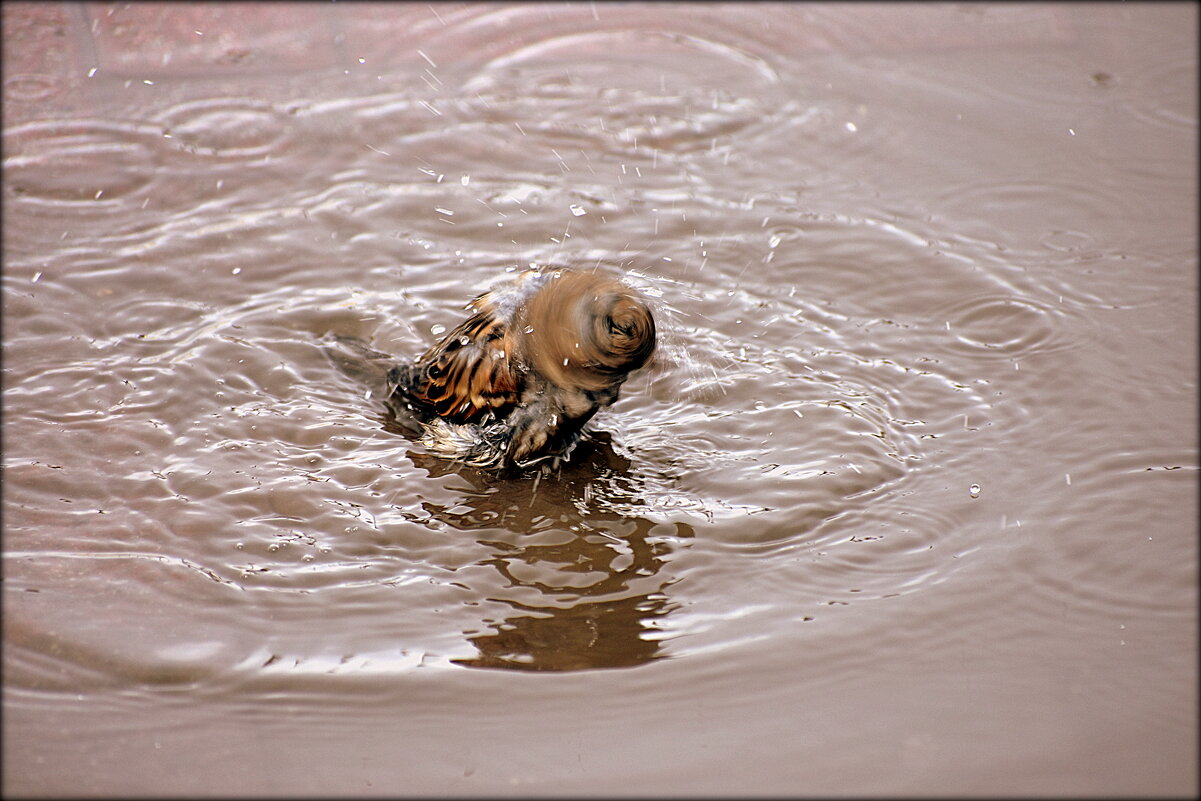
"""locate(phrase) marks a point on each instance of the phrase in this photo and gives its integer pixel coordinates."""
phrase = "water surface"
(906, 502)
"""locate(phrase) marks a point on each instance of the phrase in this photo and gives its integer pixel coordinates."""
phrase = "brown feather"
(467, 374)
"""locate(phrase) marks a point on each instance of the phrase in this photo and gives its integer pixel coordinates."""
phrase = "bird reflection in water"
(583, 580)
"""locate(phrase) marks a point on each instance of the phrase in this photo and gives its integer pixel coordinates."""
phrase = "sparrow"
(515, 383)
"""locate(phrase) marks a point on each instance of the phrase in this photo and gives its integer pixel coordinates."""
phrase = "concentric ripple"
(79, 165)
(1009, 327)
(226, 128)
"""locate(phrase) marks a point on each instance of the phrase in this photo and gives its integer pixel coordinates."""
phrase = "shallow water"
(905, 504)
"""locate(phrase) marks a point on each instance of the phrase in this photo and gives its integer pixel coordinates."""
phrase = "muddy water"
(905, 504)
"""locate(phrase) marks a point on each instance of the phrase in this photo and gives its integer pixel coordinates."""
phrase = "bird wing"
(468, 374)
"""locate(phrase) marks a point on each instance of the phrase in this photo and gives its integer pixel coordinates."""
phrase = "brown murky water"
(905, 504)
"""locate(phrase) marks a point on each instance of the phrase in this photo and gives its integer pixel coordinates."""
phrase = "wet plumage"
(517, 381)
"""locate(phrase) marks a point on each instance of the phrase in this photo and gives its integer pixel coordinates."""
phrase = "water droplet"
(974, 490)
(437, 329)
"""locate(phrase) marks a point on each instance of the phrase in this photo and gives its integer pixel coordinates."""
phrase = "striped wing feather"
(468, 374)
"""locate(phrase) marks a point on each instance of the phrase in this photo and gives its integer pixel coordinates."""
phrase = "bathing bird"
(515, 383)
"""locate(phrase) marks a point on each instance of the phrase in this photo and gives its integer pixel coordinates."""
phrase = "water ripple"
(227, 128)
(31, 87)
(80, 165)
(1010, 327)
